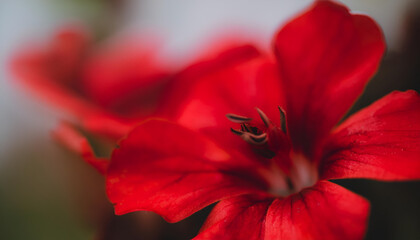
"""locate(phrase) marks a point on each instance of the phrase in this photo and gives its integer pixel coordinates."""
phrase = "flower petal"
(168, 169)
(207, 67)
(238, 89)
(126, 77)
(237, 218)
(73, 140)
(380, 142)
(108, 125)
(326, 56)
(324, 211)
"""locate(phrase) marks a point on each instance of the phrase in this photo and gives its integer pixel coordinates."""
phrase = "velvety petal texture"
(237, 218)
(325, 56)
(324, 211)
(168, 169)
(380, 142)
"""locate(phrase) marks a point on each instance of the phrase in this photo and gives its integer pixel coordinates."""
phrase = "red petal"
(73, 140)
(237, 89)
(380, 142)
(237, 218)
(126, 77)
(108, 125)
(221, 57)
(326, 56)
(165, 168)
(325, 211)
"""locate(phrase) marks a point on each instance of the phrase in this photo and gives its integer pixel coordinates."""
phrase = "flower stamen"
(237, 118)
(264, 117)
(283, 125)
(254, 139)
(287, 172)
(248, 133)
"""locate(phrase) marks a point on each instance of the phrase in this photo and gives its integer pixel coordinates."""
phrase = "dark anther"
(248, 133)
(245, 128)
(237, 119)
(282, 120)
(255, 130)
(263, 117)
(237, 132)
(258, 138)
(254, 139)
(251, 138)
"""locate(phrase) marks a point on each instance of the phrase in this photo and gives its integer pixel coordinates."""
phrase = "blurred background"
(47, 192)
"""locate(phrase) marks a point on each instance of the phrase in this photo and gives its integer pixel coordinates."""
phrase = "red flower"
(110, 88)
(96, 84)
(268, 167)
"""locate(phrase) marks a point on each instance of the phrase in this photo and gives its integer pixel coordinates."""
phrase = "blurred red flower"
(267, 166)
(96, 84)
(109, 88)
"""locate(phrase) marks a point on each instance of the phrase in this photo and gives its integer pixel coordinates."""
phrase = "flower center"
(286, 171)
